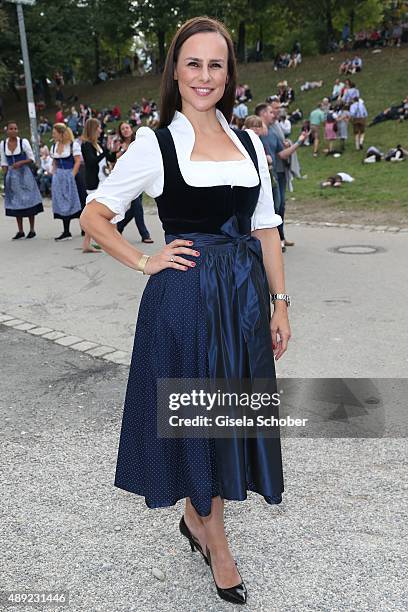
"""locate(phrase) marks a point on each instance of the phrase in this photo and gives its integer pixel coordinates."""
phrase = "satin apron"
(211, 321)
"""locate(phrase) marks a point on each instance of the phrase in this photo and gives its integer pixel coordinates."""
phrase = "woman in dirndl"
(96, 167)
(205, 312)
(126, 136)
(66, 155)
(22, 197)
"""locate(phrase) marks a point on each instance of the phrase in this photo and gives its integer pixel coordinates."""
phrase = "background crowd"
(386, 35)
(80, 144)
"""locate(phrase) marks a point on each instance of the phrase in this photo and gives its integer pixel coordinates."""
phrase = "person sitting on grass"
(285, 93)
(239, 113)
(295, 60)
(247, 94)
(284, 122)
(356, 64)
(345, 67)
(296, 116)
(44, 175)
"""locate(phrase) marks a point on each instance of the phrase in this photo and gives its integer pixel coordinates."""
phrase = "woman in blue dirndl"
(22, 197)
(66, 154)
(205, 311)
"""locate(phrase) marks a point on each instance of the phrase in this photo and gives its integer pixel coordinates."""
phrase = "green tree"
(7, 46)
(326, 18)
(359, 14)
(241, 14)
(160, 18)
(80, 34)
(106, 31)
(10, 50)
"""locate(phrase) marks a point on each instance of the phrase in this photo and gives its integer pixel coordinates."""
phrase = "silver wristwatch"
(281, 296)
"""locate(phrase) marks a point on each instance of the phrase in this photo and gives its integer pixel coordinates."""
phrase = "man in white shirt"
(240, 112)
(285, 123)
(45, 172)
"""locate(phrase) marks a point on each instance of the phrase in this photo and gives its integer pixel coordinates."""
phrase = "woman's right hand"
(171, 257)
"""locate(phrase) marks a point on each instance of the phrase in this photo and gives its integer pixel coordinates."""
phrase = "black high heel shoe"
(236, 594)
(194, 543)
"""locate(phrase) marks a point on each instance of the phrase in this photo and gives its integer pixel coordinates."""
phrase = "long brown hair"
(170, 99)
(119, 131)
(90, 131)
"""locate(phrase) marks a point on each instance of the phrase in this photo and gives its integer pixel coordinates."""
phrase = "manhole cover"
(357, 249)
(337, 301)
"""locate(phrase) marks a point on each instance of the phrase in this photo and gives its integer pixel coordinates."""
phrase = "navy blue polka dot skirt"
(211, 320)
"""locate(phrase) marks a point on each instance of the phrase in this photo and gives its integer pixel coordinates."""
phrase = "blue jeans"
(281, 210)
(135, 212)
(44, 183)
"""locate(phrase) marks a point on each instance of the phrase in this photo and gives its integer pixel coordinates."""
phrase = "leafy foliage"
(86, 35)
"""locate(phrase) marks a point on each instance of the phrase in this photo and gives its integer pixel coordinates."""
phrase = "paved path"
(335, 544)
(349, 316)
(337, 541)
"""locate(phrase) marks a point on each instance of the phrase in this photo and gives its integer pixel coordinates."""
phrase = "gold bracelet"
(141, 264)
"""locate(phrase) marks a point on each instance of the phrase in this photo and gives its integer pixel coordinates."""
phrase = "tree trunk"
(97, 55)
(329, 20)
(241, 42)
(351, 19)
(162, 53)
(259, 52)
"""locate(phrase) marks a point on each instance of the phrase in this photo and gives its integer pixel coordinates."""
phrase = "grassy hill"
(380, 191)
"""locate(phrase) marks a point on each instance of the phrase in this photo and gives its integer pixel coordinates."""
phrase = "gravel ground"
(338, 542)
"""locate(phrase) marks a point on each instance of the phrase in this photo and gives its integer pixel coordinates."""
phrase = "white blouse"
(25, 146)
(66, 152)
(140, 169)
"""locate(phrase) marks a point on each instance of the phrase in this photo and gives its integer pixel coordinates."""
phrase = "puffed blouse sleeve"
(76, 148)
(264, 215)
(3, 158)
(139, 169)
(27, 149)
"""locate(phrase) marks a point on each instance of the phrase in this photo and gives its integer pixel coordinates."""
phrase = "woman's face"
(12, 130)
(202, 70)
(98, 130)
(125, 130)
(258, 130)
(56, 135)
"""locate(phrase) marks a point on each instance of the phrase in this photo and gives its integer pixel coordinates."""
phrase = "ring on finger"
(171, 259)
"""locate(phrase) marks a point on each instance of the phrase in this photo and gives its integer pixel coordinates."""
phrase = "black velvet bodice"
(183, 208)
